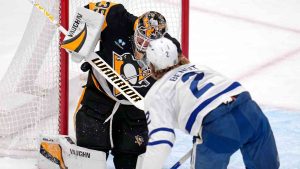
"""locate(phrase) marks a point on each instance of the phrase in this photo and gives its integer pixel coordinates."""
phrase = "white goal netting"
(29, 91)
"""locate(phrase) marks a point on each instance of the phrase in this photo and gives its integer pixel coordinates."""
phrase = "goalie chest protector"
(116, 47)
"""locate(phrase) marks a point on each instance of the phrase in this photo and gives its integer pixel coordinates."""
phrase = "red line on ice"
(268, 64)
(244, 19)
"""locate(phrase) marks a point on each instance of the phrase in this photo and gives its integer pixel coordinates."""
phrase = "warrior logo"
(127, 66)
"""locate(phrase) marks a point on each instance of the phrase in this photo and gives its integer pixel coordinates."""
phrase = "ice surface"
(257, 42)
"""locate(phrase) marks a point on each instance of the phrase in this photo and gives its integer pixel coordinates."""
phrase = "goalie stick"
(182, 160)
(102, 67)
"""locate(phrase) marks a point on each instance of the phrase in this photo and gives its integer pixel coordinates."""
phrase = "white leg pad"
(76, 157)
(60, 152)
(49, 156)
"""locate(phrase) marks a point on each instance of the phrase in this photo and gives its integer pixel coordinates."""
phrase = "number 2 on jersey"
(194, 84)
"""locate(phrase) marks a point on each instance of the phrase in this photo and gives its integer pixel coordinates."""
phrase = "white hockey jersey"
(181, 99)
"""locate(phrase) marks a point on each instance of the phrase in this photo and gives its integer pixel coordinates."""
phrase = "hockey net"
(30, 91)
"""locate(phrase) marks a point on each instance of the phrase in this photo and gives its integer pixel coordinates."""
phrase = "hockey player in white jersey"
(216, 110)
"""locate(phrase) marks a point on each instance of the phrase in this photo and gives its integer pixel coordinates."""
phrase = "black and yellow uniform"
(129, 127)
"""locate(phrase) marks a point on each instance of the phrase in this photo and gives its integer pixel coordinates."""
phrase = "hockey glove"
(84, 34)
(85, 67)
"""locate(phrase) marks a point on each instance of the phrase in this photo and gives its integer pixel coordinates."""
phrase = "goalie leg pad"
(76, 157)
(50, 155)
(60, 152)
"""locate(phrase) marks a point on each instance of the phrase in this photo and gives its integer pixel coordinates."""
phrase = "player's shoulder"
(176, 74)
(106, 7)
(163, 86)
(168, 83)
(115, 15)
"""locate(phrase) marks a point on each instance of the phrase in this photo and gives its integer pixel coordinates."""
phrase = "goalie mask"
(162, 53)
(151, 25)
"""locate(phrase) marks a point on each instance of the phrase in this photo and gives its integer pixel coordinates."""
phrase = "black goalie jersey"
(116, 48)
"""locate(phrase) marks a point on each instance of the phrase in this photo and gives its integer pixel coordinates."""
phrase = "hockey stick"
(182, 160)
(101, 66)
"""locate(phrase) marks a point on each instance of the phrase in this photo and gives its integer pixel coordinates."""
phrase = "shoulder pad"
(102, 7)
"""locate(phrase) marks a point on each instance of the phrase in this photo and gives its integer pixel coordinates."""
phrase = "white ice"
(254, 41)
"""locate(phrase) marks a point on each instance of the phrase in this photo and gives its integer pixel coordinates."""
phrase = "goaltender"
(105, 120)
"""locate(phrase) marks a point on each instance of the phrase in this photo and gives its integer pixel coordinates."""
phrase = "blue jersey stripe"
(160, 142)
(195, 113)
(194, 84)
(161, 129)
(200, 92)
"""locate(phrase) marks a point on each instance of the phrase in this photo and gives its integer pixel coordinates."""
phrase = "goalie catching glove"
(84, 33)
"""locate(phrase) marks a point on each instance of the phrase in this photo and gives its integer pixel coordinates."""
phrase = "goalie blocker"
(60, 152)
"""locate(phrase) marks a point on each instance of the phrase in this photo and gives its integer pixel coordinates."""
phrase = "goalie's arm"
(115, 14)
(97, 17)
(103, 68)
(84, 34)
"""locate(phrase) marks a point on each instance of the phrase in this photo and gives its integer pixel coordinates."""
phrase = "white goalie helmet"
(162, 53)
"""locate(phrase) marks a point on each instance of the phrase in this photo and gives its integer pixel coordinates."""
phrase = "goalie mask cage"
(35, 89)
